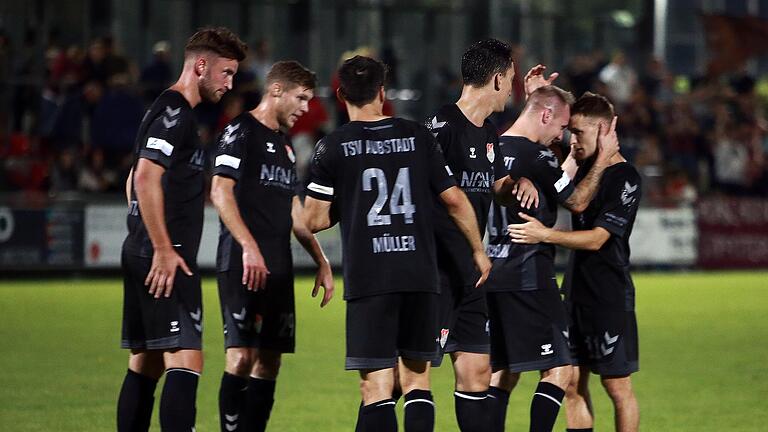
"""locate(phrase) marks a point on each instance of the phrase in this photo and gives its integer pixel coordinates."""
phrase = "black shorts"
(604, 340)
(258, 319)
(463, 320)
(529, 330)
(384, 327)
(169, 323)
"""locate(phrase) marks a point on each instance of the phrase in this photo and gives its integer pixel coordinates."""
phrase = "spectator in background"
(65, 171)
(619, 79)
(261, 61)
(682, 135)
(27, 69)
(158, 74)
(307, 130)
(95, 176)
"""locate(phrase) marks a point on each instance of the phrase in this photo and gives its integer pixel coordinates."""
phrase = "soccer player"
(470, 144)
(162, 308)
(378, 175)
(598, 288)
(528, 321)
(254, 179)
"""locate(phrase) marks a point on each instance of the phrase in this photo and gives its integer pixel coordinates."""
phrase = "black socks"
(177, 404)
(545, 407)
(134, 406)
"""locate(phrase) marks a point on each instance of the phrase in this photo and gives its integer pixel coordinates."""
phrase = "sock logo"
(546, 349)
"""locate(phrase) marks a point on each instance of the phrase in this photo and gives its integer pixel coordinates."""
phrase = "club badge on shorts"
(489, 152)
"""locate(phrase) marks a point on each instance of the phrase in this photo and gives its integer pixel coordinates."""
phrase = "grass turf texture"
(703, 359)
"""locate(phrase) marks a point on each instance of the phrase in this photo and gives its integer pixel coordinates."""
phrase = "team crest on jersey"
(490, 153)
(443, 337)
(291, 156)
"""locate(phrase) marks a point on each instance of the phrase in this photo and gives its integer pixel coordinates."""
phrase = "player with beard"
(162, 307)
(528, 322)
(253, 188)
(598, 287)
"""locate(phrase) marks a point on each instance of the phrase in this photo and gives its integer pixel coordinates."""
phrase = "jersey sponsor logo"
(626, 193)
(289, 151)
(472, 154)
(489, 152)
(325, 190)
(160, 144)
(276, 175)
(171, 117)
(497, 251)
(546, 349)
(549, 157)
(270, 147)
(229, 136)
(563, 182)
(476, 180)
(508, 160)
(197, 161)
(227, 160)
(388, 244)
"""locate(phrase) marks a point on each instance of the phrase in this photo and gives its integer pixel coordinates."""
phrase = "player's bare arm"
(534, 231)
(165, 260)
(317, 214)
(507, 190)
(461, 212)
(255, 270)
(324, 276)
(607, 147)
(128, 187)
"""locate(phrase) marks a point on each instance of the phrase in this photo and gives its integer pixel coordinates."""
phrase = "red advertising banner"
(733, 232)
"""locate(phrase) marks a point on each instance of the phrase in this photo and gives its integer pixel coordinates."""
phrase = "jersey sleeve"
(547, 174)
(440, 129)
(166, 133)
(620, 202)
(321, 184)
(440, 175)
(230, 151)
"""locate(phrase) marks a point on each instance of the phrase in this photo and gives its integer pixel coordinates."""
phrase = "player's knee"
(266, 365)
(239, 361)
(505, 380)
(559, 376)
(618, 389)
(373, 390)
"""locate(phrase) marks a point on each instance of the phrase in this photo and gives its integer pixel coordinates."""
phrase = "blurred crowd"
(75, 130)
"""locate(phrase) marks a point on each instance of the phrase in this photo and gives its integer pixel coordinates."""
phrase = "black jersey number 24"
(400, 201)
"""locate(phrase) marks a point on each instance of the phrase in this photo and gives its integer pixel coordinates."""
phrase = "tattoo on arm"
(585, 190)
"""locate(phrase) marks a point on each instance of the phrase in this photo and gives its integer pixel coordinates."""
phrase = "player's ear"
(382, 94)
(275, 89)
(339, 95)
(546, 115)
(497, 82)
(200, 64)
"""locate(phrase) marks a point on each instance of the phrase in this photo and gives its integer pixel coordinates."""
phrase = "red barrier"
(733, 232)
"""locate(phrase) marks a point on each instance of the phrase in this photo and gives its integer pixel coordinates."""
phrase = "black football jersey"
(382, 178)
(602, 277)
(262, 163)
(521, 267)
(168, 136)
(473, 156)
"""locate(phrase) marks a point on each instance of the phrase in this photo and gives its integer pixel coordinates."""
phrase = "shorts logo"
(258, 321)
(443, 337)
(546, 349)
(240, 318)
(472, 154)
(490, 153)
(607, 347)
(487, 326)
(174, 326)
(197, 316)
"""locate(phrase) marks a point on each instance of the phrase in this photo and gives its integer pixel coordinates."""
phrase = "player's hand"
(254, 268)
(607, 142)
(483, 264)
(324, 279)
(526, 193)
(535, 79)
(163, 271)
(530, 232)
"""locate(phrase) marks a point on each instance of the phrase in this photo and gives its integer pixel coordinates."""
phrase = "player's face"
(553, 130)
(583, 136)
(294, 103)
(505, 89)
(216, 78)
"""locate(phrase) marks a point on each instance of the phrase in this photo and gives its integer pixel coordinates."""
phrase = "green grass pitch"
(703, 347)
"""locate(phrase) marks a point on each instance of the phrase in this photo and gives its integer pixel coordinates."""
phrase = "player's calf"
(578, 404)
(627, 413)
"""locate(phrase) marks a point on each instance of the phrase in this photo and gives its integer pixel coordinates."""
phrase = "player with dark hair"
(529, 325)
(598, 287)
(379, 175)
(253, 188)
(470, 144)
(162, 309)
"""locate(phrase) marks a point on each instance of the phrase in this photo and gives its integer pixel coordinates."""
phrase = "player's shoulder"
(443, 119)
(625, 171)
(172, 104)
